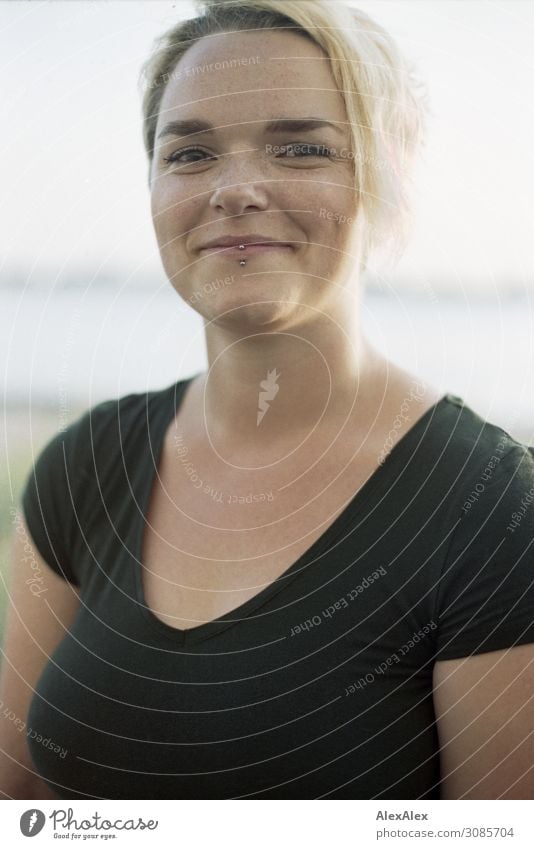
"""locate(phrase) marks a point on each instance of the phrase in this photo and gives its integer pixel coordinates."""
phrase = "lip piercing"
(242, 261)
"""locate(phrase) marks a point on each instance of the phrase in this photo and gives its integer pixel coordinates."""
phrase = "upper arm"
(484, 707)
(41, 606)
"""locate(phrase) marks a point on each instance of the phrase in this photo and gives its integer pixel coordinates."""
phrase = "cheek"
(173, 215)
(334, 220)
(339, 196)
(328, 204)
(161, 213)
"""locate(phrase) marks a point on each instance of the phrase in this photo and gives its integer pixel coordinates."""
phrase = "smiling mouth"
(235, 250)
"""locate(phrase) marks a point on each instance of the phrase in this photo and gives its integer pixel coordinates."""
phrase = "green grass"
(4, 557)
(12, 478)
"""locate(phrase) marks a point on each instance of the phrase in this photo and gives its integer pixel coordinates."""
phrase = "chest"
(210, 545)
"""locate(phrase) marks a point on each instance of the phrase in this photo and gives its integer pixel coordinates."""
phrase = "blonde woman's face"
(243, 174)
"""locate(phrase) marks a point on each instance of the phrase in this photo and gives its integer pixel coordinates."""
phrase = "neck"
(269, 391)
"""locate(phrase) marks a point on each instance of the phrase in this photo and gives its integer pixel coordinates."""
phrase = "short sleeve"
(485, 599)
(47, 505)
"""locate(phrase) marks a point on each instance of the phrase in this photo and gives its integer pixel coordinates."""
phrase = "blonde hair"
(386, 104)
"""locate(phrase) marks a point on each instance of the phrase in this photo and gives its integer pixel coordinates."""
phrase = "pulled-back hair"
(385, 103)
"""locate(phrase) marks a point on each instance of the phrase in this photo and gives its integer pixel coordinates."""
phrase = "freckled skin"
(247, 189)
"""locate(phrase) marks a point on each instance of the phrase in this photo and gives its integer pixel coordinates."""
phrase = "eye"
(300, 148)
(175, 157)
(290, 151)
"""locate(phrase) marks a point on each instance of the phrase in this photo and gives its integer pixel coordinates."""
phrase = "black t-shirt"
(321, 685)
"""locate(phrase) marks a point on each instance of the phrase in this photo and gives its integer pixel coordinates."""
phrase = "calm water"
(75, 349)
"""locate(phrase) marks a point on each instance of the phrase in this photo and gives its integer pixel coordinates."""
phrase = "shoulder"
(473, 476)
(115, 417)
(65, 485)
(437, 424)
(491, 477)
(469, 423)
(475, 451)
(108, 414)
(69, 456)
(496, 466)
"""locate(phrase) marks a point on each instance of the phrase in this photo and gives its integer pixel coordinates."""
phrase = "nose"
(240, 187)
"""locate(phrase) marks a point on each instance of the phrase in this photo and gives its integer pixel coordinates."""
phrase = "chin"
(249, 316)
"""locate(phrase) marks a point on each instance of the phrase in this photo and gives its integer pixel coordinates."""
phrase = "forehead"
(252, 76)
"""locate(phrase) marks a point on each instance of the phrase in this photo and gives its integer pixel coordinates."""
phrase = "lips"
(249, 250)
(250, 239)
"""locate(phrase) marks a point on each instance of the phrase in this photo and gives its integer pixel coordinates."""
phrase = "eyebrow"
(191, 126)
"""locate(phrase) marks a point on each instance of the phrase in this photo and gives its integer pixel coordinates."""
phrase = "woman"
(292, 573)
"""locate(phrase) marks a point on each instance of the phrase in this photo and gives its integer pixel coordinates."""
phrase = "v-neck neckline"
(172, 399)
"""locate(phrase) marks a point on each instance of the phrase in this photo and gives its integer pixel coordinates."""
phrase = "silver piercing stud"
(242, 261)
(241, 247)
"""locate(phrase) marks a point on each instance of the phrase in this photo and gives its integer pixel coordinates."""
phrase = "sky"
(73, 167)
